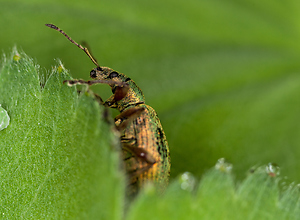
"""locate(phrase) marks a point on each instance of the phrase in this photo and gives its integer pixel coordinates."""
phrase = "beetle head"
(104, 73)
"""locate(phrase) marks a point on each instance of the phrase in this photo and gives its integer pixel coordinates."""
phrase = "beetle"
(144, 144)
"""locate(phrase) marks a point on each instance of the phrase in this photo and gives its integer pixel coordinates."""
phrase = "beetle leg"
(110, 102)
(120, 89)
(134, 156)
(97, 97)
(119, 93)
(138, 152)
(126, 117)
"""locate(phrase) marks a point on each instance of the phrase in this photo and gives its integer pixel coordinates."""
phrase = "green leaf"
(58, 160)
(219, 197)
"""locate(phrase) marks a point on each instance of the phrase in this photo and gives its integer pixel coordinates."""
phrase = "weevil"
(144, 144)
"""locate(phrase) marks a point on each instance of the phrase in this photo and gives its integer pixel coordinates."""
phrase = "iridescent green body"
(144, 131)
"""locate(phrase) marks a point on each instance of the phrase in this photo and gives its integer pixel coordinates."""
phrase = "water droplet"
(60, 68)
(273, 169)
(4, 118)
(16, 57)
(187, 181)
(223, 166)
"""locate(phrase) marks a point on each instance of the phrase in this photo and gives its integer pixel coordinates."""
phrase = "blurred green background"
(223, 75)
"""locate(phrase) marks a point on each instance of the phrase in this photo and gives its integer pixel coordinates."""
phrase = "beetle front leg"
(110, 102)
(120, 89)
(126, 117)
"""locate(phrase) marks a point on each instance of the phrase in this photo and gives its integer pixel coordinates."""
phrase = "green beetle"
(144, 144)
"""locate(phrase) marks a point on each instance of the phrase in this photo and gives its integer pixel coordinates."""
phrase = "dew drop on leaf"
(60, 68)
(16, 57)
(4, 118)
(187, 181)
(273, 169)
(223, 166)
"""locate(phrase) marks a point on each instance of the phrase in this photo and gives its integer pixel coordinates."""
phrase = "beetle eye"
(93, 74)
(99, 68)
(113, 75)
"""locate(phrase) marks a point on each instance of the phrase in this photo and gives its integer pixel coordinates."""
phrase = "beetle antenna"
(78, 45)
